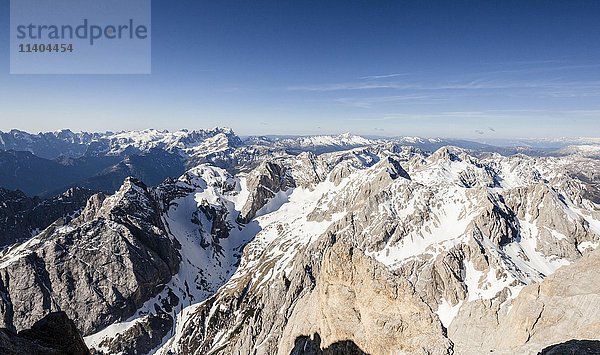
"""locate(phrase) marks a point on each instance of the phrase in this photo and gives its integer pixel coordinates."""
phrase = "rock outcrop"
(144, 336)
(573, 347)
(560, 308)
(352, 300)
(55, 334)
(264, 183)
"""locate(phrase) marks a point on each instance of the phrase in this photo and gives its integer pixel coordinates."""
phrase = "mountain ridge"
(276, 248)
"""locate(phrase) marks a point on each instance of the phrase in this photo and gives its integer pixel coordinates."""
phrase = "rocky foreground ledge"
(55, 334)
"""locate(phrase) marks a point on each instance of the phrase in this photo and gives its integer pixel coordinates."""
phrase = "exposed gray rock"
(560, 308)
(98, 269)
(142, 338)
(263, 183)
(455, 235)
(396, 170)
(373, 250)
(333, 290)
(352, 300)
(21, 217)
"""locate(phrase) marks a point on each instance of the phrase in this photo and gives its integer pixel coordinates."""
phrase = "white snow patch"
(17, 252)
(451, 223)
(274, 203)
(585, 246)
(485, 286)
(94, 340)
(557, 235)
(447, 312)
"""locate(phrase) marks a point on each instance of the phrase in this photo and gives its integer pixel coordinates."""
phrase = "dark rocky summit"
(573, 347)
(312, 346)
(55, 334)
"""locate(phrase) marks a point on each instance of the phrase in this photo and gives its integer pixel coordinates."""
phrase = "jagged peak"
(395, 169)
(205, 175)
(133, 192)
(131, 181)
(448, 153)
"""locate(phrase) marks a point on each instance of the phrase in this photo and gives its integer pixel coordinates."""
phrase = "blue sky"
(466, 69)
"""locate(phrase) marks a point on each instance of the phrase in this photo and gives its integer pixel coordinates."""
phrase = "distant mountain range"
(100, 161)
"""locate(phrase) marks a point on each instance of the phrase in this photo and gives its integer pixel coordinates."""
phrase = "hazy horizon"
(492, 141)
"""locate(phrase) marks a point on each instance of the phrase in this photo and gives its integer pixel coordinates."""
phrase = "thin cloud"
(478, 84)
(369, 102)
(386, 76)
(350, 86)
(371, 119)
(540, 69)
(528, 62)
(503, 114)
(462, 114)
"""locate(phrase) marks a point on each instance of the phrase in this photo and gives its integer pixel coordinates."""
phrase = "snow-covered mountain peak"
(205, 176)
(346, 139)
(188, 142)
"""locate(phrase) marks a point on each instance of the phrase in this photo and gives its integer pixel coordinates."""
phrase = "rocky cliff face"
(352, 299)
(22, 217)
(199, 211)
(371, 250)
(264, 183)
(99, 268)
(560, 308)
